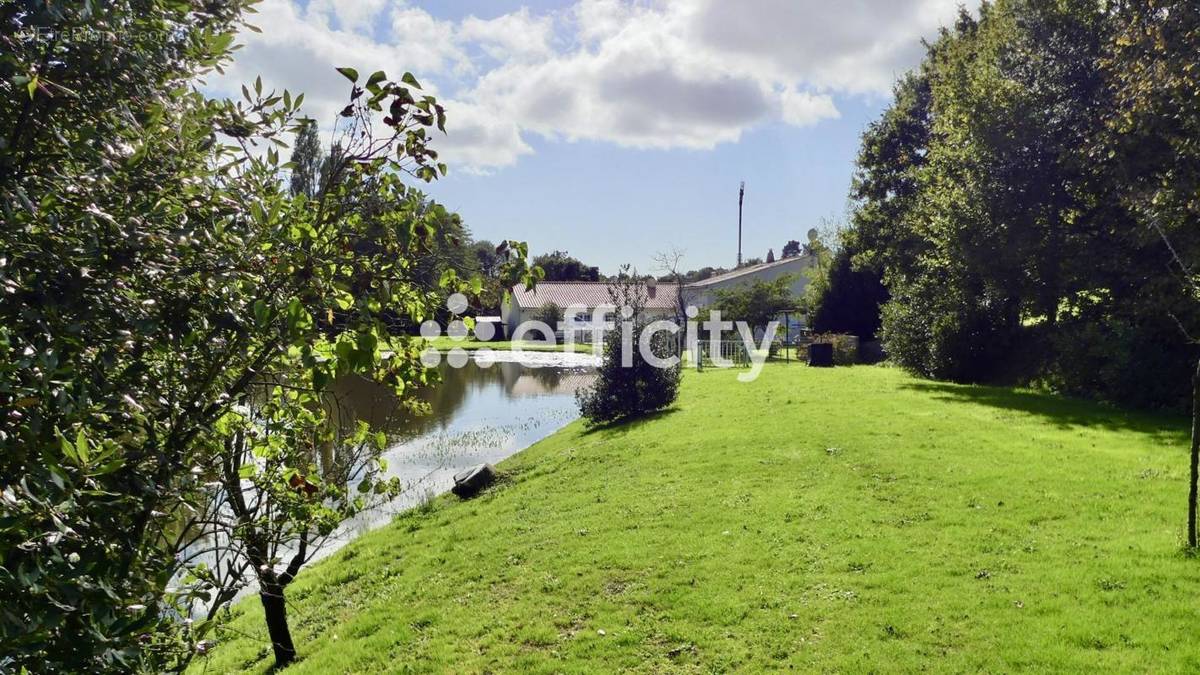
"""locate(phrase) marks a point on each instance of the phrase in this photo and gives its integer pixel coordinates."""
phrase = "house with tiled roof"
(583, 297)
(579, 299)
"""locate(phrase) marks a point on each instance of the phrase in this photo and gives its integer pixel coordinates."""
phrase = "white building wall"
(704, 295)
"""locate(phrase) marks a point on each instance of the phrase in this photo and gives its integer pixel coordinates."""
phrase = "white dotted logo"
(457, 331)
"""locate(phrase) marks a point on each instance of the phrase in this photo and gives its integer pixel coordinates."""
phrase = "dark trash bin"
(820, 355)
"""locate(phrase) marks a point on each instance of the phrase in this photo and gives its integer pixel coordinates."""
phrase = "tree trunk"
(275, 610)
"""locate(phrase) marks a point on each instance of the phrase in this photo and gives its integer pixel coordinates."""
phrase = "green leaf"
(68, 450)
(58, 476)
(109, 467)
(246, 471)
(260, 312)
(221, 43)
(81, 447)
(410, 80)
(32, 86)
(349, 73)
(376, 77)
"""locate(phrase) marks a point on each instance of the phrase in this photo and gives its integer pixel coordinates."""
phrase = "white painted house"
(702, 293)
(664, 297)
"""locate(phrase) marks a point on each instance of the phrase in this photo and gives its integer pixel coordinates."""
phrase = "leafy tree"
(288, 474)
(487, 261)
(560, 266)
(691, 276)
(791, 249)
(306, 161)
(447, 250)
(771, 255)
(325, 173)
(757, 303)
(1152, 127)
(158, 278)
(975, 201)
(885, 188)
(627, 384)
(549, 314)
(105, 152)
(846, 300)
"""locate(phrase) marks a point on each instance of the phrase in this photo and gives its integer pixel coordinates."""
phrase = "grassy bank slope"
(847, 519)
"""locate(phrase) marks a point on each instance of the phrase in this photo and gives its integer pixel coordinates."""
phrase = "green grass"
(445, 343)
(848, 519)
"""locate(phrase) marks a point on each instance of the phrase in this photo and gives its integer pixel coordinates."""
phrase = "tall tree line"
(1029, 200)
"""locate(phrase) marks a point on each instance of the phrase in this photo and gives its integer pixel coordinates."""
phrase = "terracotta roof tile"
(586, 293)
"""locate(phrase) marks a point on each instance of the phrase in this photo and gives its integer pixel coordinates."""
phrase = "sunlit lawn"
(849, 519)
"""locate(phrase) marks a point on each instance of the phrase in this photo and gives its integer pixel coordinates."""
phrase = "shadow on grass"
(1061, 411)
(623, 426)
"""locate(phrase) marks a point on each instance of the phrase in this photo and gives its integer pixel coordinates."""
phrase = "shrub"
(936, 330)
(623, 392)
(1139, 361)
(845, 347)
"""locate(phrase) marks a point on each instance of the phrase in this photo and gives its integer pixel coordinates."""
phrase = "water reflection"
(495, 386)
(475, 414)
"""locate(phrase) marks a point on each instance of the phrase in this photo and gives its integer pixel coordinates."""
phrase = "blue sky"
(615, 129)
(609, 205)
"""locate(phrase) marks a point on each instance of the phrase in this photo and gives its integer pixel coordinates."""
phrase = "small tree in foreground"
(628, 385)
(286, 472)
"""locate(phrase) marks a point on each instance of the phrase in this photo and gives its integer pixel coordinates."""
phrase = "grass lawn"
(445, 343)
(850, 519)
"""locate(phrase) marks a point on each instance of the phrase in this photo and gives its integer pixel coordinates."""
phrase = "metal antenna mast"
(741, 195)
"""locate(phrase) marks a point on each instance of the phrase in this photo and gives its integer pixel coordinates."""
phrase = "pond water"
(484, 411)
(480, 412)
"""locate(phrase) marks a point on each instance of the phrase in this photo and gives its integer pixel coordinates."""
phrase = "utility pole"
(741, 195)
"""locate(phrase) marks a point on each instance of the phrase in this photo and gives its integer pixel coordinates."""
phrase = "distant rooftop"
(742, 271)
(595, 293)
(587, 294)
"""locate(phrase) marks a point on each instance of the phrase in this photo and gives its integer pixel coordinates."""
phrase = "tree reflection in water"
(475, 414)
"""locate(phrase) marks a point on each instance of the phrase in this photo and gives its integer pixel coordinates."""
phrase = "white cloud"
(597, 20)
(856, 46)
(478, 141)
(298, 50)
(515, 36)
(358, 15)
(802, 108)
(651, 74)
